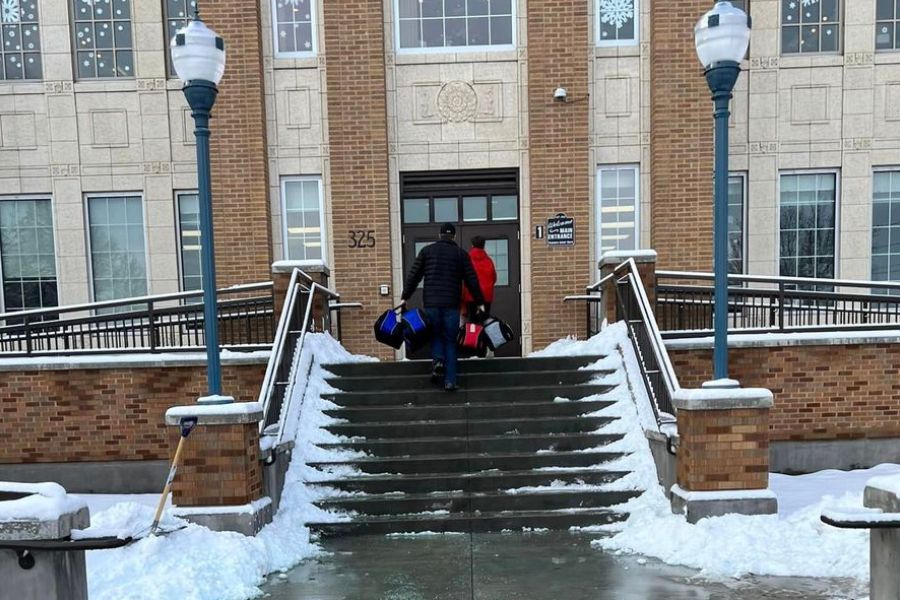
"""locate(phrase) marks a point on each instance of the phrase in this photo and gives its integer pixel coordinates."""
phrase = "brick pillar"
(723, 451)
(681, 140)
(559, 163)
(358, 150)
(282, 271)
(238, 148)
(220, 468)
(646, 266)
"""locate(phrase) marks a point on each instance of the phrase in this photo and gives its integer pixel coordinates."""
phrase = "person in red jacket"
(487, 277)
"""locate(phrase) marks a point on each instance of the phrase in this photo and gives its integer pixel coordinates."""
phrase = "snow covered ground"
(792, 543)
(195, 563)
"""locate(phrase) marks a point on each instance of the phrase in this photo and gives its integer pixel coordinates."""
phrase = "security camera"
(560, 94)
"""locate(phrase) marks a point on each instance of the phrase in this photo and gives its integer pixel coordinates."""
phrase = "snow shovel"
(187, 424)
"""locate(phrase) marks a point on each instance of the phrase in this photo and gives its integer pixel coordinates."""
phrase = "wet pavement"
(516, 566)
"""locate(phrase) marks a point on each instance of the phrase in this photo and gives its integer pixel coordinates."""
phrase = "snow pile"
(793, 543)
(45, 501)
(198, 564)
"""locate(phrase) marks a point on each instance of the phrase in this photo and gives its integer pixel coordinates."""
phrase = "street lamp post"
(198, 55)
(722, 36)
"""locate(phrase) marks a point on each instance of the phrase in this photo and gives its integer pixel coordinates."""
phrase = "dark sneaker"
(450, 387)
(437, 372)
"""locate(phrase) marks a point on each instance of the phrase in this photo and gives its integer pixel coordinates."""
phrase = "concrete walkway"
(539, 566)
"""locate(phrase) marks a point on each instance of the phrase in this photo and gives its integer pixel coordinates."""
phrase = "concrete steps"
(514, 447)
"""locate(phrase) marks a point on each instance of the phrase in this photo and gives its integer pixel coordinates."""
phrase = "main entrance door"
(484, 203)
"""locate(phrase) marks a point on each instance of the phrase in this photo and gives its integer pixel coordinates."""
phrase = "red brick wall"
(821, 392)
(681, 139)
(220, 466)
(238, 147)
(559, 162)
(357, 138)
(102, 414)
(723, 449)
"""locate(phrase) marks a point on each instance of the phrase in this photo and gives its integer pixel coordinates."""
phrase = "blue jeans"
(444, 331)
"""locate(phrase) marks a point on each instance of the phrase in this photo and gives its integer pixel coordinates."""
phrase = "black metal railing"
(633, 307)
(308, 307)
(162, 323)
(759, 304)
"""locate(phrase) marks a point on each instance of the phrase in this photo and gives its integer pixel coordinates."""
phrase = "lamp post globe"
(198, 55)
(722, 37)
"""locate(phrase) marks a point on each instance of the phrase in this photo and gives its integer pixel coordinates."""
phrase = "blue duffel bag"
(416, 329)
(389, 328)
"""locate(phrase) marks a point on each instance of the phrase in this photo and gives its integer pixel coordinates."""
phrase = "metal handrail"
(777, 279)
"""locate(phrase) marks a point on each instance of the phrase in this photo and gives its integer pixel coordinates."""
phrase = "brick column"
(723, 451)
(358, 151)
(239, 167)
(559, 163)
(219, 483)
(282, 271)
(646, 266)
(681, 140)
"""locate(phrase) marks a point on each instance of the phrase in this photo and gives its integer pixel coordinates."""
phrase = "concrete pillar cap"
(619, 256)
(307, 266)
(217, 414)
(39, 511)
(722, 398)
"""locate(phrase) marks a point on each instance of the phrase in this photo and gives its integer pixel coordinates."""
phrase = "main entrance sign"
(561, 230)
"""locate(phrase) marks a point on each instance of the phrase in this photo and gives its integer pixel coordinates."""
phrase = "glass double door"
(493, 217)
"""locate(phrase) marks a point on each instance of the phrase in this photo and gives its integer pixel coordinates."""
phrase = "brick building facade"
(330, 110)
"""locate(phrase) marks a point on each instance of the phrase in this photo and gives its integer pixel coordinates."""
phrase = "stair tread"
(462, 494)
(438, 391)
(523, 404)
(472, 438)
(375, 459)
(549, 472)
(471, 516)
(418, 376)
(455, 421)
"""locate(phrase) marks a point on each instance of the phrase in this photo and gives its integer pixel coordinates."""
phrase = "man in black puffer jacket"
(445, 267)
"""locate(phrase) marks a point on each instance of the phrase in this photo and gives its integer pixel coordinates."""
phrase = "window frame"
(875, 170)
(89, 249)
(598, 204)
(167, 42)
(23, 53)
(395, 4)
(745, 212)
(322, 220)
(314, 25)
(178, 234)
(73, 35)
(842, 13)
(837, 214)
(601, 43)
(49, 198)
(896, 45)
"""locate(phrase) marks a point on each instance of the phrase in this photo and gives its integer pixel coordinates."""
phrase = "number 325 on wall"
(361, 239)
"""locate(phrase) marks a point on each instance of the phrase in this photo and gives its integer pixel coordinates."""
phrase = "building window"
(617, 208)
(886, 226)
(27, 257)
(189, 241)
(103, 42)
(807, 214)
(304, 232)
(736, 211)
(454, 23)
(810, 26)
(617, 22)
(295, 27)
(116, 238)
(20, 44)
(178, 13)
(887, 24)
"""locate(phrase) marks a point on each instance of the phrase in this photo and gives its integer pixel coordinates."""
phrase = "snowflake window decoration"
(616, 12)
(295, 28)
(10, 11)
(95, 28)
